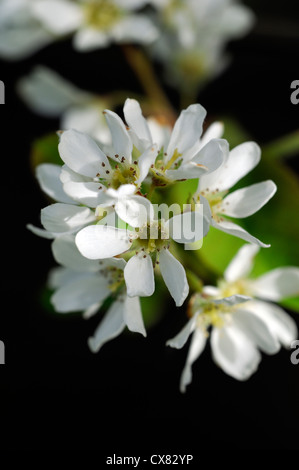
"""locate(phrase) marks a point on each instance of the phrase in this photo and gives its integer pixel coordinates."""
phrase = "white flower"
(182, 155)
(28, 25)
(20, 33)
(65, 216)
(48, 94)
(83, 284)
(96, 23)
(88, 172)
(240, 203)
(241, 318)
(194, 36)
(149, 244)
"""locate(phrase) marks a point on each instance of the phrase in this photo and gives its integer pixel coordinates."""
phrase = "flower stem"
(145, 72)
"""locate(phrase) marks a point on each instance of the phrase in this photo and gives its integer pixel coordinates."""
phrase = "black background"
(55, 394)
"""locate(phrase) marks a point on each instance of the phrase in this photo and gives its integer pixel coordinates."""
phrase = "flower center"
(114, 276)
(240, 287)
(214, 315)
(101, 14)
(160, 167)
(215, 199)
(152, 237)
(119, 174)
(211, 314)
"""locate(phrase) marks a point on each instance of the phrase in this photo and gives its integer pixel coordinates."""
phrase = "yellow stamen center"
(101, 14)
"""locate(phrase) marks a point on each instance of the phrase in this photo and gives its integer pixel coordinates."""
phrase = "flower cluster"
(188, 37)
(111, 242)
(119, 221)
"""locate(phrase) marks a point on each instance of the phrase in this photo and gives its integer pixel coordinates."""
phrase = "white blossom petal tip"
(100, 242)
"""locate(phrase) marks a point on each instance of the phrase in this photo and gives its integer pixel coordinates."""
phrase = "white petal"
(41, 232)
(182, 337)
(145, 161)
(48, 93)
(135, 211)
(48, 176)
(133, 315)
(81, 153)
(211, 291)
(65, 217)
(139, 276)
(138, 124)
(187, 170)
(91, 311)
(256, 330)
(241, 264)
(123, 191)
(197, 345)
(234, 353)
(232, 300)
(240, 161)
(214, 131)
(189, 226)
(87, 193)
(187, 130)
(66, 253)
(110, 327)
(100, 242)
(212, 154)
(174, 276)
(134, 28)
(87, 118)
(282, 325)
(68, 175)
(122, 143)
(21, 41)
(277, 284)
(234, 229)
(80, 294)
(60, 276)
(160, 131)
(87, 39)
(247, 201)
(58, 16)
(235, 21)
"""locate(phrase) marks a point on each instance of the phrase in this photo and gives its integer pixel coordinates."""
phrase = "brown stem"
(150, 83)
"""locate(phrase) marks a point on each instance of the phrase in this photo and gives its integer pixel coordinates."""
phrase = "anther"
(103, 164)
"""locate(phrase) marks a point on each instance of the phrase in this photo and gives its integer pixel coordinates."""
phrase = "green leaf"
(291, 303)
(45, 150)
